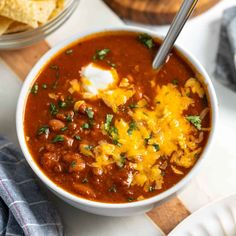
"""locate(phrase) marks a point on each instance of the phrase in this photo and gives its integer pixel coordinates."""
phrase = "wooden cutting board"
(154, 11)
(167, 215)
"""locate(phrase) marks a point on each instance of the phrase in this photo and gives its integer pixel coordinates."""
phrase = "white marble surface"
(216, 178)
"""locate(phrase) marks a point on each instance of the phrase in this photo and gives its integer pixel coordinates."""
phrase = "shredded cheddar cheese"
(195, 86)
(116, 97)
(151, 133)
(75, 86)
(164, 127)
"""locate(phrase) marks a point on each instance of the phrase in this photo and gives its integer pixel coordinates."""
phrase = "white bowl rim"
(31, 78)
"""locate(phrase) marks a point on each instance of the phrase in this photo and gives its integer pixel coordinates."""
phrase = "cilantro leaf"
(101, 54)
(146, 40)
(196, 121)
(132, 127)
(58, 138)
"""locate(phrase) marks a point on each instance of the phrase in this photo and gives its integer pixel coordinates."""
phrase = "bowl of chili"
(110, 135)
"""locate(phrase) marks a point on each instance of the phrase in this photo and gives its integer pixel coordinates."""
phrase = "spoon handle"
(174, 31)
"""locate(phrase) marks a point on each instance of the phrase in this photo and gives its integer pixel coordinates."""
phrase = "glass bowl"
(27, 38)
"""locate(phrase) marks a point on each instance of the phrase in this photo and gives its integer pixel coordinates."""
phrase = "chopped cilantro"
(175, 82)
(146, 40)
(90, 113)
(88, 147)
(62, 104)
(196, 121)
(77, 137)
(53, 109)
(107, 125)
(68, 118)
(64, 128)
(69, 51)
(101, 54)
(121, 163)
(132, 127)
(35, 88)
(133, 105)
(58, 138)
(43, 130)
(85, 126)
(116, 142)
(156, 147)
(73, 164)
(130, 199)
(111, 130)
(44, 86)
(112, 189)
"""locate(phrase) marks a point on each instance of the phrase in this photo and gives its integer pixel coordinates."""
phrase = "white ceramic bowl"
(99, 208)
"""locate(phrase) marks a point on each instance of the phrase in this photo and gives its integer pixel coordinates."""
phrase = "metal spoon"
(174, 31)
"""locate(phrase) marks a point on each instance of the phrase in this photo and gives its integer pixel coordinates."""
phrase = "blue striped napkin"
(24, 210)
(226, 58)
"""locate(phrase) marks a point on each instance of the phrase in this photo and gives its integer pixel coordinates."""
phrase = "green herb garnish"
(130, 199)
(196, 121)
(111, 130)
(85, 126)
(121, 163)
(68, 118)
(62, 104)
(77, 137)
(58, 138)
(53, 109)
(101, 54)
(35, 88)
(133, 105)
(88, 147)
(69, 51)
(132, 127)
(112, 189)
(156, 147)
(73, 164)
(175, 82)
(43, 130)
(116, 142)
(107, 125)
(90, 113)
(44, 86)
(146, 40)
(64, 128)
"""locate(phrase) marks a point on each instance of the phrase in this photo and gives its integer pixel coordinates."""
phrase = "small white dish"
(216, 219)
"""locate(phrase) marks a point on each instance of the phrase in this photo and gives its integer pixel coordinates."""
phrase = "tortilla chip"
(22, 15)
(43, 9)
(16, 27)
(20, 10)
(59, 8)
(4, 24)
(2, 3)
